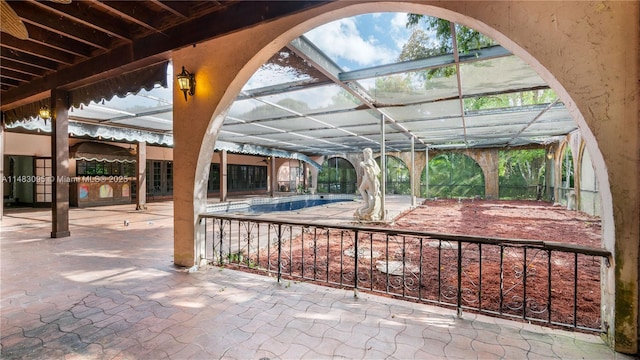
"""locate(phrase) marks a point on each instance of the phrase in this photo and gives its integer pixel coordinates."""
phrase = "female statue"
(370, 189)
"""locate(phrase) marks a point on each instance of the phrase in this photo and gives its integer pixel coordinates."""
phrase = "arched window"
(521, 174)
(398, 177)
(337, 177)
(453, 175)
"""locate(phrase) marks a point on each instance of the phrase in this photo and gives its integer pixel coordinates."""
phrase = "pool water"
(267, 205)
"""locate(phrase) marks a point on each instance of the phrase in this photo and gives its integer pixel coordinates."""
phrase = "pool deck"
(111, 291)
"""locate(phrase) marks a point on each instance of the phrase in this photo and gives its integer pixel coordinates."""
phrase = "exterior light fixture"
(44, 113)
(187, 83)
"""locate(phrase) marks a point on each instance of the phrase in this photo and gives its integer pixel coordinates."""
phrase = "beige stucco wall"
(586, 51)
(27, 144)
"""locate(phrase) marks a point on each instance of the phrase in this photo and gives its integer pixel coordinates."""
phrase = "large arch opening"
(453, 175)
(397, 179)
(337, 176)
(289, 33)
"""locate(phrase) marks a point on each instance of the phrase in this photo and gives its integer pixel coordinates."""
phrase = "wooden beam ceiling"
(75, 44)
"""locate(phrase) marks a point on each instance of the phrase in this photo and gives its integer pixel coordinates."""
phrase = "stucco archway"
(222, 67)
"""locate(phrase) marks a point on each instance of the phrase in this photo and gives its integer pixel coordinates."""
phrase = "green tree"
(453, 175)
(467, 39)
(520, 98)
(420, 45)
(520, 172)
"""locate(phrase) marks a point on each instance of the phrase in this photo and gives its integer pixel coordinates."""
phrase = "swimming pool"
(267, 205)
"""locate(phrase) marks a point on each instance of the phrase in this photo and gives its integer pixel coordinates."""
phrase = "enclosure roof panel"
(328, 91)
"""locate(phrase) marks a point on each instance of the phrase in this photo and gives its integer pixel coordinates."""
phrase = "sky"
(353, 43)
(364, 40)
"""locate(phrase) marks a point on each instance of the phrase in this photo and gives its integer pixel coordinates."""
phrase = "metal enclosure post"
(383, 167)
(426, 171)
(413, 167)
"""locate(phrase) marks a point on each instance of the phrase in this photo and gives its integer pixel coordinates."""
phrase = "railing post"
(221, 227)
(439, 270)
(205, 235)
(501, 278)
(459, 278)
(480, 277)
(524, 286)
(279, 252)
(355, 266)
(575, 290)
(549, 297)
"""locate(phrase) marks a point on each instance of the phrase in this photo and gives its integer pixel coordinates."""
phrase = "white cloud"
(341, 39)
(399, 21)
(399, 32)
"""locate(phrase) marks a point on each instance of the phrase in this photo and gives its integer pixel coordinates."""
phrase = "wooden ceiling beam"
(8, 83)
(55, 41)
(179, 9)
(28, 59)
(133, 11)
(15, 75)
(37, 16)
(6, 63)
(78, 11)
(157, 46)
(37, 50)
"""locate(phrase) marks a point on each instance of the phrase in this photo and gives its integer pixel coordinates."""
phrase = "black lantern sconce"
(187, 83)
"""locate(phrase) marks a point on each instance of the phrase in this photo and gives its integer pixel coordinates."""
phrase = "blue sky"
(353, 43)
(364, 40)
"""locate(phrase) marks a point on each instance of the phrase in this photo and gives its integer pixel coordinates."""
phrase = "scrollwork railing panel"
(532, 280)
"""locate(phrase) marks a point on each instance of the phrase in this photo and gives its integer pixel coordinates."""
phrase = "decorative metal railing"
(549, 283)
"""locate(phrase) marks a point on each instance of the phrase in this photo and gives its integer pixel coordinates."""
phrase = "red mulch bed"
(320, 257)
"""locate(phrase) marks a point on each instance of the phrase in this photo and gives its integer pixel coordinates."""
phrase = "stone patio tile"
(46, 333)
(70, 323)
(405, 351)
(189, 336)
(189, 351)
(487, 348)
(295, 351)
(277, 348)
(234, 315)
(117, 309)
(349, 351)
(458, 346)
(541, 348)
(433, 347)
(121, 326)
(375, 355)
(384, 345)
(326, 347)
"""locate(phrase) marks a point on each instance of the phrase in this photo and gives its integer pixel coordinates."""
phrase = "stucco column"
(313, 173)
(488, 160)
(141, 176)
(2, 169)
(491, 175)
(60, 164)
